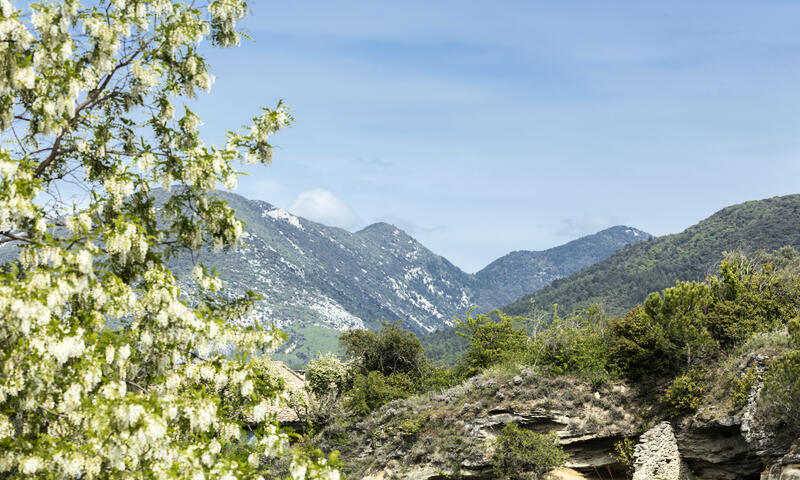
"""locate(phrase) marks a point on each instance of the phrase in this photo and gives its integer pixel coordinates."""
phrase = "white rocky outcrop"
(657, 455)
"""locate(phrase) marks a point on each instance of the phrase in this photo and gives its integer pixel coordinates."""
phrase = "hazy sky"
(485, 127)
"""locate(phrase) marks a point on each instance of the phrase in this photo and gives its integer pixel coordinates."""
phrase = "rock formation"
(657, 455)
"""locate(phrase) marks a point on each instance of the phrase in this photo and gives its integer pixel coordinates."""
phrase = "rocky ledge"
(451, 435)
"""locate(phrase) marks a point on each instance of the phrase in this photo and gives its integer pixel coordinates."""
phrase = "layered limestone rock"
(782, 472)
(657, 455)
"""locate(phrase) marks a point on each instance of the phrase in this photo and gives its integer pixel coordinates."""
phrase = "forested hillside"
(626, 278)
(523, 271)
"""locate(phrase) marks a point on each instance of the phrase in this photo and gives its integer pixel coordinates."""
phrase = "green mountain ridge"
(625, 278)
(523, 271)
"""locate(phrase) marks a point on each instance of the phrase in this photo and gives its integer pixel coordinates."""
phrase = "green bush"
(437, 379)
(623, 452)
(743, 386)
(411, 426)
(794, 332)
(575, 346)
(493, 337)
(684, 393)
(374, 389)
(752, 295)
(327, 375)
(781, 393)
(390, 350)
(517, 451)
(638, 346)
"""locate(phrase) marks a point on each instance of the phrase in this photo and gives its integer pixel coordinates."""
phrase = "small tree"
(390, 350)
(328, 375)
(493, 337)
(88, 93)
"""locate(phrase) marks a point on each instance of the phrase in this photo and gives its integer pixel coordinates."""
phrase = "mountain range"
(625, 278)
(318, 280)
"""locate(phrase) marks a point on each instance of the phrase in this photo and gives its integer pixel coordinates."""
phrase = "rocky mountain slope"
(624, 279)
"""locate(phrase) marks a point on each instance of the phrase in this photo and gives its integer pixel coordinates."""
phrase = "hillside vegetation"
(582, 388)
(624, 279)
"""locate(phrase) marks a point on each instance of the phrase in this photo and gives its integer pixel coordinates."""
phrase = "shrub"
(374, 389)
(753, 295)
(327, 374)
(518, 450)
(623, 452)
(743, 386)
(684, 393)
(391, 350)
(781, 393)
(578, 346)
(411, 426)
(794, 332)
(638, 346)
(493, 337)
(437, 379)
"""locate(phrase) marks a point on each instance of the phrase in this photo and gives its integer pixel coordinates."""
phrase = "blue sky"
(484, 127)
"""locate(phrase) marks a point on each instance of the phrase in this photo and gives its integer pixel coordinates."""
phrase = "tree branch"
(90, 100)
(12, 238)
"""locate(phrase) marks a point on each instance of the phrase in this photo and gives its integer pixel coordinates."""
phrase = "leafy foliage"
(684, 393)
(492, 337)
(578, 345)
(781, 393)
(518, 451)
(623, 452)
(391, 350)
(743, 386)
(328, 375)
(375, 389)
(691, 322)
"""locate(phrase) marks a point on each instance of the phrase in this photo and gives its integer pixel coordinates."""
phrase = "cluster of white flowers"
(206, 282)
(127, 239)
(145, 162)
(147, 76)
(17, 194)
(118, 188)
(15, 39)
(79, 223)
(225, 15)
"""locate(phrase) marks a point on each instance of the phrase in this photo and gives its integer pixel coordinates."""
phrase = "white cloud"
(324, 207)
